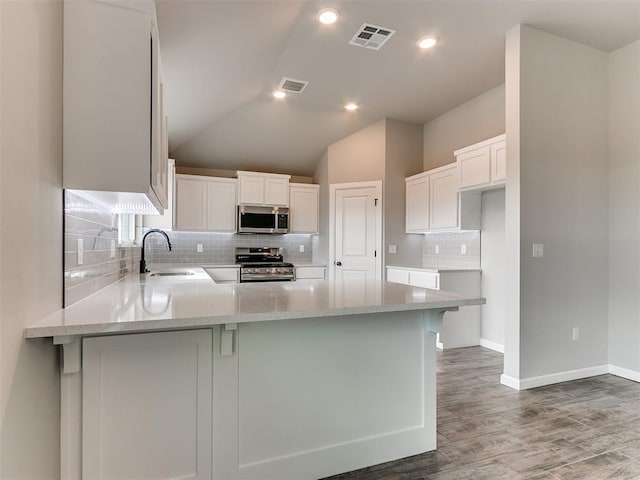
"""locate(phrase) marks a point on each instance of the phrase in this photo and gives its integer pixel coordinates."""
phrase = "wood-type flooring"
(586, 429)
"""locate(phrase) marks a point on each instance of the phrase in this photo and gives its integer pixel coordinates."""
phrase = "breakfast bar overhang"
(284, 380)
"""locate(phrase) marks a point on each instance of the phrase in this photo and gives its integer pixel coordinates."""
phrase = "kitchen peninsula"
(175, 376)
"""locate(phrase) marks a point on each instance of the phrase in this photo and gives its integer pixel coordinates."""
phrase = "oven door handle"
(268, 276)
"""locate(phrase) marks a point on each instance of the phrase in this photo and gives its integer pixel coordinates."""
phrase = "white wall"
(403, 158)
(478, 119)
(492, 262)
(624, 207)
(359, 157)
(558, 106)
(31, 235)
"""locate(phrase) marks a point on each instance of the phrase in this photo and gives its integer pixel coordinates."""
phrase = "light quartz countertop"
(142, 303)
(436, 269)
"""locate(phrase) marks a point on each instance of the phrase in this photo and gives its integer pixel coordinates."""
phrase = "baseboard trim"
(510, 382)
(496, 347)
(624, 373)
(559, 377)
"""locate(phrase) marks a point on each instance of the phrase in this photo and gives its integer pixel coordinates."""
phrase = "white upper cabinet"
(256, 188)
(221, 204)
(205, 203)
(113, 105)
(482, 165)
(190, 203)
(417, 210)
(164, 221)
(434, 204)
(443, 198)
(303, 208)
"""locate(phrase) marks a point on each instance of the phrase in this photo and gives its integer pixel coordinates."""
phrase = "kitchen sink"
(170, 274)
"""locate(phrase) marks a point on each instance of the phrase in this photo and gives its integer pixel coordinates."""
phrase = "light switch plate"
(199, 248)
(393, 249)
(80, 251)
(301, 248)
(538, 250)
(437, 249)
(463, 249)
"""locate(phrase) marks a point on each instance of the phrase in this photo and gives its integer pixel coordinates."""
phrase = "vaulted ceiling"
(223, 59)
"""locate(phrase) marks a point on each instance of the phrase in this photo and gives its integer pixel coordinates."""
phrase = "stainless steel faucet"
(143, 264)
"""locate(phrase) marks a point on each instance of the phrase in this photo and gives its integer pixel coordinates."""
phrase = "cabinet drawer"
(223, 274)
(398, 276)
(303, 273)
(425, 280)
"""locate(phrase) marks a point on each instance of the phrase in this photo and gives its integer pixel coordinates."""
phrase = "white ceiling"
(223, 59)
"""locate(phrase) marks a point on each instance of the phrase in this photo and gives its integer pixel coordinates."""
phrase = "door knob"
(338, 264)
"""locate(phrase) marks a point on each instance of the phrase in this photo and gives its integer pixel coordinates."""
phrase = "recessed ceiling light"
(328, 16)
(351, 106)
(428, 41)
(279, 94)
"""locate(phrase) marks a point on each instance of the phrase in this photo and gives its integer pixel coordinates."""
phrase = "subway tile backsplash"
(450, 245)
(97, 228)
(220, 247)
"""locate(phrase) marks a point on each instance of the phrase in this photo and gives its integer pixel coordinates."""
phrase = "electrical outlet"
(393, 249)
(301, 248)
(80, 251)
(199, 248)
(463, 249)
(538, 250)
(576, 333)
(437, 249)
(113, 248)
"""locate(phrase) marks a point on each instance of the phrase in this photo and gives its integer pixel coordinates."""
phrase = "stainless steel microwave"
(253, 219)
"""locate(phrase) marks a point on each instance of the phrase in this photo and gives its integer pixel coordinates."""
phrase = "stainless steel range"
(263, 264)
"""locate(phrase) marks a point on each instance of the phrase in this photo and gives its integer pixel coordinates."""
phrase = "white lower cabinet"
(310, 272)
(461, 328)
(146, 406)
(223, 274)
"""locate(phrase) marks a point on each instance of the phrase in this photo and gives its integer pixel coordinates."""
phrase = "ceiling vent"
(371, 36)
(291, 85)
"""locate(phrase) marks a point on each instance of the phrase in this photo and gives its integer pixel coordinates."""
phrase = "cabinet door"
(443, 199)
(191, 203)
(251, 190)
(424, 280)
(303, 209)
(146, 406)
(474, 167)
(397, 275)
(158, 160)
(304, 273)
(276, 191)
(223, 274)
(499, 162)
(417, 205)
(221, 205)
(166, 219)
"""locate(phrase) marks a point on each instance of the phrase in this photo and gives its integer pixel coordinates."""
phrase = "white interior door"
(357, 231)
